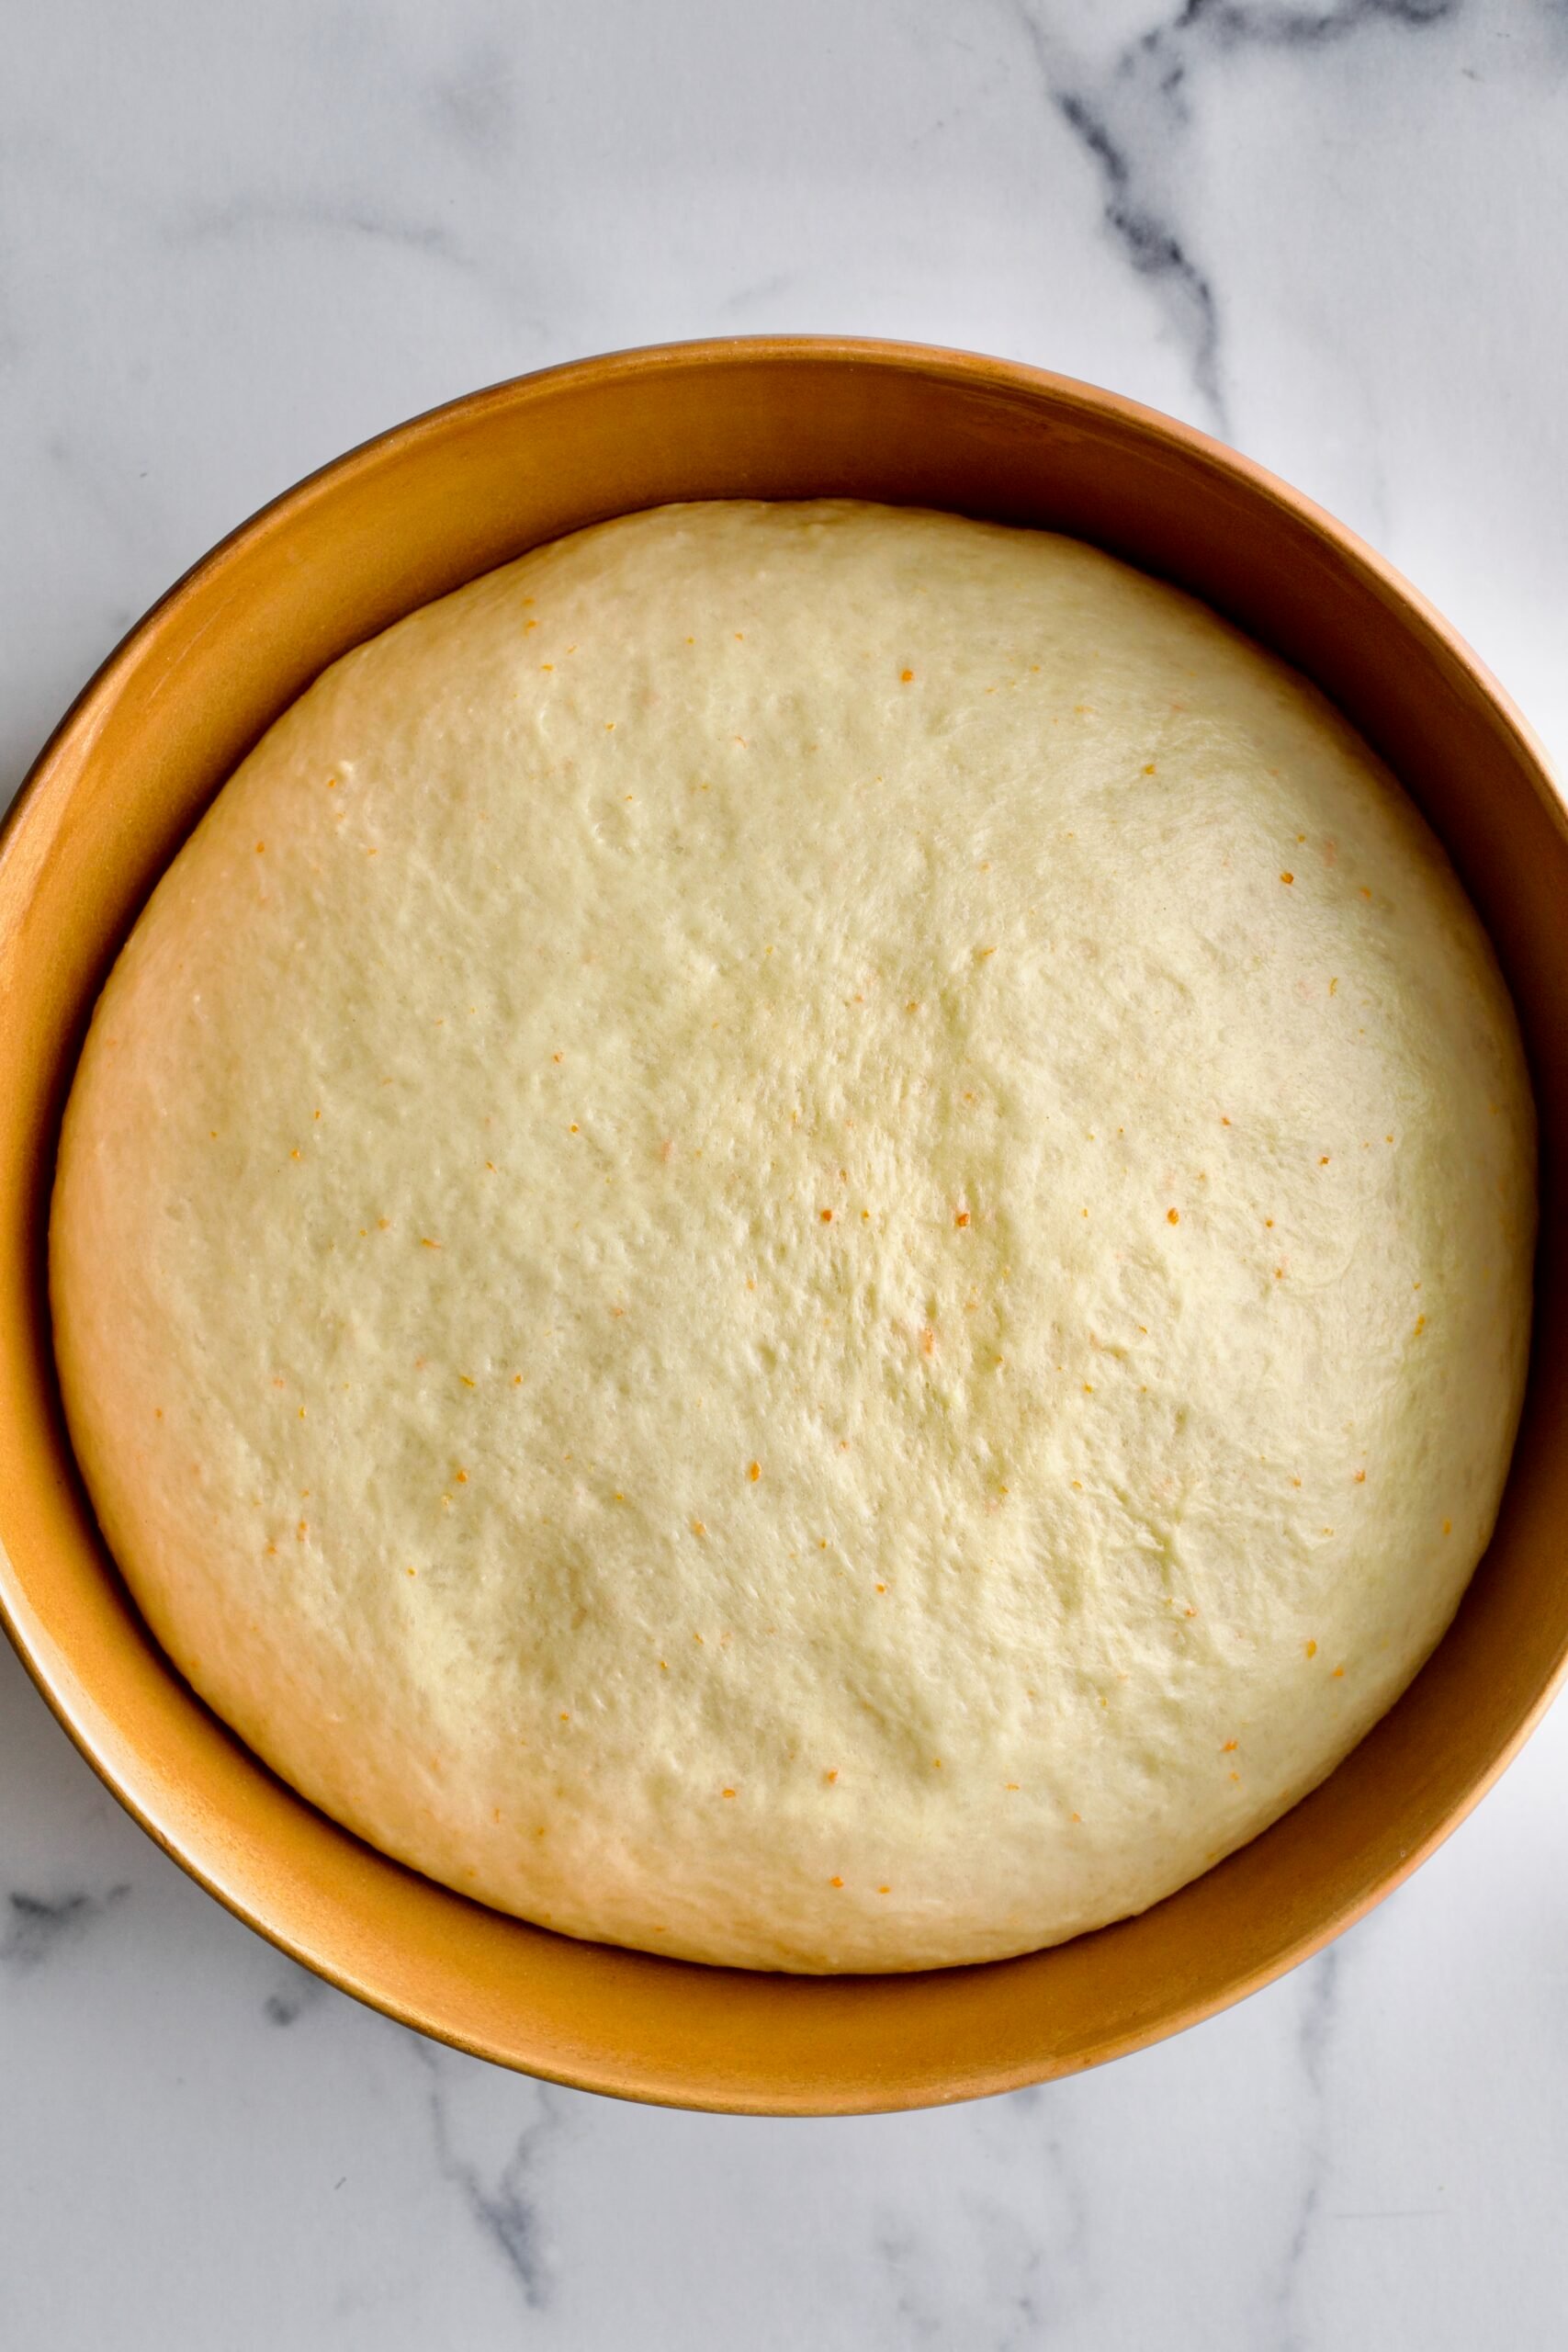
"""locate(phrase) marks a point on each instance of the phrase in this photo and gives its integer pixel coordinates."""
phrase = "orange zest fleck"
(1287, 878)
(1173, 1217)
(961, 1216)
(754, 1471)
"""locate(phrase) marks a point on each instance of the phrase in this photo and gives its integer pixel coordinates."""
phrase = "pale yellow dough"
(802, 1235)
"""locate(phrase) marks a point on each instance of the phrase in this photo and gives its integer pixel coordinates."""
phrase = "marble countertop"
(233, 241)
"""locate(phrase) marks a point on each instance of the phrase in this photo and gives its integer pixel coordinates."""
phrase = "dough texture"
(802, 1235)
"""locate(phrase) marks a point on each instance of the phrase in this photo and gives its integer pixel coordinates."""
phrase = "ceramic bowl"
(412, 515)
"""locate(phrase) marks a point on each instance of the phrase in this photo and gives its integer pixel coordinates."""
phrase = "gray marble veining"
(502, 2197)
(1129, 110)
(35, 1926)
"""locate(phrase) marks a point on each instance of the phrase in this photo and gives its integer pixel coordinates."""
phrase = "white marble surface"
(232, 242)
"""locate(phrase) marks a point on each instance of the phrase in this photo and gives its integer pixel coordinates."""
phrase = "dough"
(802, 1235)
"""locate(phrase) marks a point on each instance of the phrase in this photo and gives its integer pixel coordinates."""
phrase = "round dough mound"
(802, 1235)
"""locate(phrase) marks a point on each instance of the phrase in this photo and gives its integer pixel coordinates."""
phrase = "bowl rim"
(943, 361)
(901, 357)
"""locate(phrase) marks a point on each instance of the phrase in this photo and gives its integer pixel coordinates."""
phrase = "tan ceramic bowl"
(405, 519)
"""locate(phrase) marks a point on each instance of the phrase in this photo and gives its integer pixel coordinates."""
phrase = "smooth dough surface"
(802, 1235)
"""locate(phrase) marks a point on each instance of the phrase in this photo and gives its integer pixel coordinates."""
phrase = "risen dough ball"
(801, 1235)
